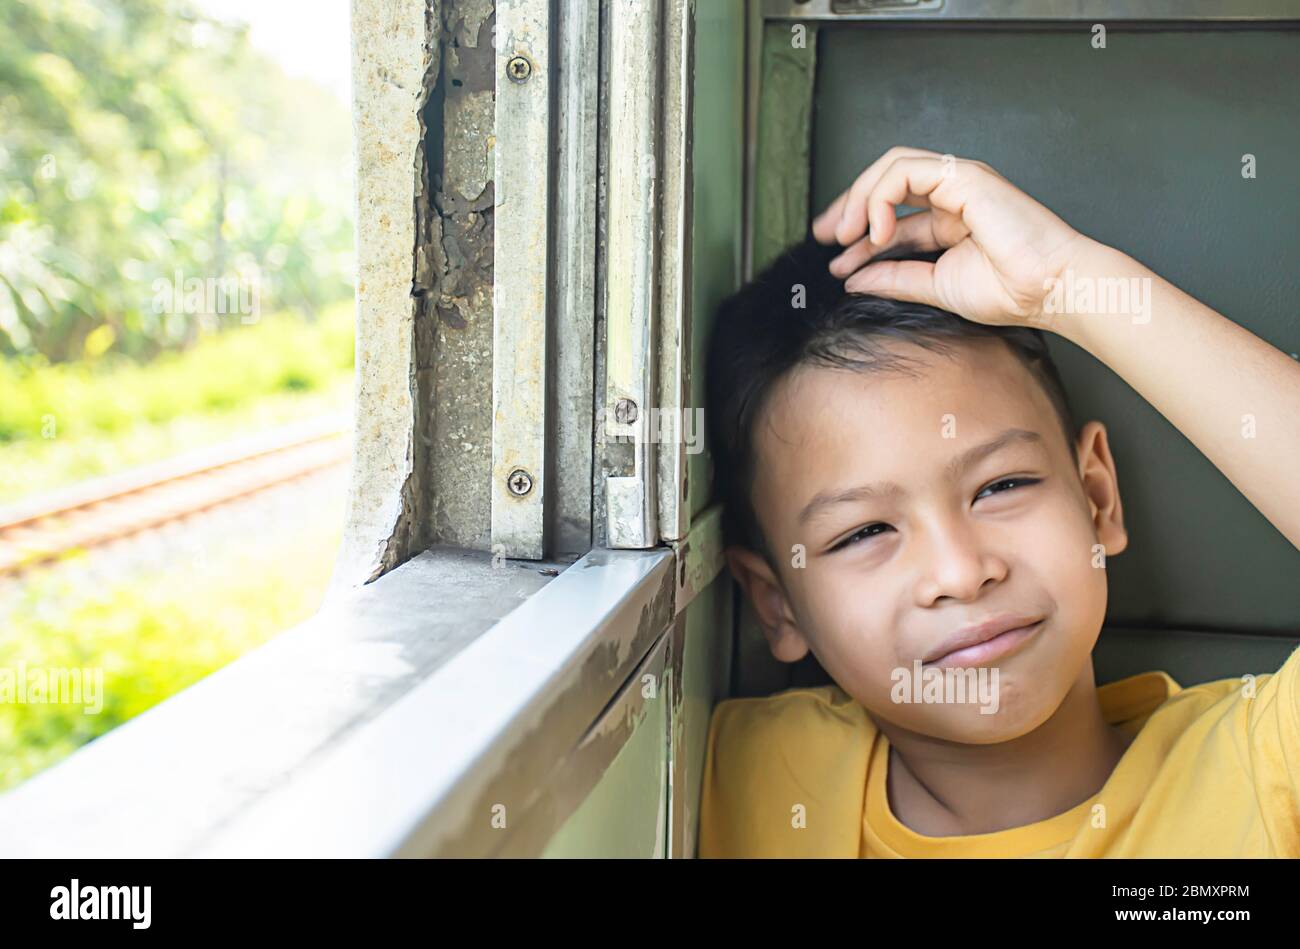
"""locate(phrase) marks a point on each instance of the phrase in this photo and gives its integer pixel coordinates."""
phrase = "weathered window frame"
(461, 701)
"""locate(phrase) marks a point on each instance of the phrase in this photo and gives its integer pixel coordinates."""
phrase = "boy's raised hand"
(1220, 384)
(1002, 248)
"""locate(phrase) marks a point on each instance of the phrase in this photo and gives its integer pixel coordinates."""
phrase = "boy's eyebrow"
(974, 455)
(890, 489)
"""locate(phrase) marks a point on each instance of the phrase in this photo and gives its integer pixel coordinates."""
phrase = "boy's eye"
(871, 530)
(1006, 484)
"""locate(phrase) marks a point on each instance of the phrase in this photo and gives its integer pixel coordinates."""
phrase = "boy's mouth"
(983, 642)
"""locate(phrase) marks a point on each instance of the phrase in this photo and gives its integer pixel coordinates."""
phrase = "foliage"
(311, 378)
(150, 638)
(283, 353)
(139, 143)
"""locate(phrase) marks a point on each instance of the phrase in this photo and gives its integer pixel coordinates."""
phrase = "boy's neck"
(946, 789)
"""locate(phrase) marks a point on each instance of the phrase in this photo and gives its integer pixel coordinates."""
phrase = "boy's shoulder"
(784, 774)
(1250, 696)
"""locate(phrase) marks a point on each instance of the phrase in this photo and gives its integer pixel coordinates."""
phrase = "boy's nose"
(955, 563)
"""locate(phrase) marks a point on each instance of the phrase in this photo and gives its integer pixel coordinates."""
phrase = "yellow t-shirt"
(1213, 772)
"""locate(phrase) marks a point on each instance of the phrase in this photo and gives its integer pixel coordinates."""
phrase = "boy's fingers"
(911, 280)
(853, 257)
(861, 216)
(951, 188)
(854, 217)
(911, 181)
(830, 224)
(914, 230)
(824, 224)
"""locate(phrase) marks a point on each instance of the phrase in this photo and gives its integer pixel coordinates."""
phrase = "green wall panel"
(716, 198)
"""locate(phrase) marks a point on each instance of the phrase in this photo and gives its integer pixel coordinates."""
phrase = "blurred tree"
(146, 151)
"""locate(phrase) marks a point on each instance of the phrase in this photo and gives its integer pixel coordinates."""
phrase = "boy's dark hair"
(760, 334)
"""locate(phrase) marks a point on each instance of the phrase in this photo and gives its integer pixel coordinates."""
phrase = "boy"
(907, 495)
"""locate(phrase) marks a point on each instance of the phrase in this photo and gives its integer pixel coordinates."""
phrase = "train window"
(528, 621)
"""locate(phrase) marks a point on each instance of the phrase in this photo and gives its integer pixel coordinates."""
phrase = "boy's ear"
(1101, 487)
(765, 591)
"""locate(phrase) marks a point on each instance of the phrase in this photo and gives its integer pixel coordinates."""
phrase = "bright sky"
(308, 38)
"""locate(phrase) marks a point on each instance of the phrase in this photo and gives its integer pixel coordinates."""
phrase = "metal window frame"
(632, 298)
(516, 730)
(375, 753)
(544, 290)
(521, 300)
(1045, 11)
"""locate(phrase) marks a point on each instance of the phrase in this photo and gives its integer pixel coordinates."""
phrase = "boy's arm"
(1010, 261)
(1234, 396)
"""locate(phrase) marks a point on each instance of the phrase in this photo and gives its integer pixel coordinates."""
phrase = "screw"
(625, 410)
(519, 69)
(520, 482)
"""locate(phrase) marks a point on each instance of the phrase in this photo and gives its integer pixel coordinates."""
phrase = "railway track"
(98, 512)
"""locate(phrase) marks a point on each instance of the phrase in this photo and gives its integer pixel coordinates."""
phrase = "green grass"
(154, 637)
(32, 466)
(281, 353)
(62, 424)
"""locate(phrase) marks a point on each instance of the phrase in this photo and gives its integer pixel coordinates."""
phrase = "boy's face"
(937, 540)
